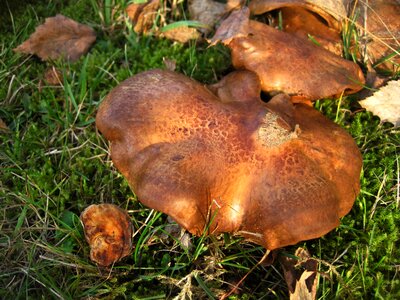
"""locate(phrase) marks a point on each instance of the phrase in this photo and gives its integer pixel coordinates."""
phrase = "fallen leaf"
(207, 12)
(379, 22)
(181, 34)
(235, 26)
(143, 15)
(53, 76)
(108, 230)
(301, 275)
(172, 229)
(169, 64)
(385, 103)
(59, 37)
(3, 126)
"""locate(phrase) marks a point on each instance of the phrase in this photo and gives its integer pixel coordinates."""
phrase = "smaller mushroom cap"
(284, 62)
(108, 230)
(332, 11)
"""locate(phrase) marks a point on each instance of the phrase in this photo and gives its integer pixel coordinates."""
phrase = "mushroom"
(108, 230)
(284, 62)
(306, 20)
(222, 160)
(333, 12)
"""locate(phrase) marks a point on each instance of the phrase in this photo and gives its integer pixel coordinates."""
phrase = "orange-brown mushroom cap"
(284, 62)
(275, 173)
(332, 11)
(108, 230)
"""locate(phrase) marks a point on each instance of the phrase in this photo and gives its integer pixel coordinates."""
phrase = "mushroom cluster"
(220, 159)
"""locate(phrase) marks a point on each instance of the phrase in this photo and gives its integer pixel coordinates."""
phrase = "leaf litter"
(59, 37)
(385, 103)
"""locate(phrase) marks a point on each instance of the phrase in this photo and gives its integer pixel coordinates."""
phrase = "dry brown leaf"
(385, 103)
(108, 230)
(380, 23)
(143, 15)
(169, 64)
(133, 10)
(59, 37)
(301, 275)
(53, 76)
(3, 126)
(173, 231)
(181, 34)
(235, 26)
(208, 12)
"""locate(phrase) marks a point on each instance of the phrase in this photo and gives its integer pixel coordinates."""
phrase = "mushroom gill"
(220, 158)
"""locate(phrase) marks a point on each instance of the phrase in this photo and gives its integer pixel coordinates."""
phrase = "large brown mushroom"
(284, 62)
(224, 161)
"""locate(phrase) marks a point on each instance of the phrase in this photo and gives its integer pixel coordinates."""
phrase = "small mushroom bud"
(108, 230)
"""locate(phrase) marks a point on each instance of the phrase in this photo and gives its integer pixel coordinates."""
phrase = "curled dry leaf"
(379, 22)
(170, 64)
(59, 37)
(284, 63)
(332, 11)
(181, 34)
(143, 15)
(53, 76)
(3, 126)
(385, 103)
(301, 275)
(208, 12)
(274, 173)
(172, 229)
(108, 230)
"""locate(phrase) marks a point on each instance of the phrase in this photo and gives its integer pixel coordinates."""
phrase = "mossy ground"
(54, 164)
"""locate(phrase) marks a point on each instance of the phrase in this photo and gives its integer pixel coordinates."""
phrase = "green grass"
(53, 164)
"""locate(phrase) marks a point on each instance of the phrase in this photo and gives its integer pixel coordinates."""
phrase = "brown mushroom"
(274, 173)
(333, 12)
(319, 20)
(285, 63)
(108, 230)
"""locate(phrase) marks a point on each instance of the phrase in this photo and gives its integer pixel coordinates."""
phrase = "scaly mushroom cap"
(108, 230)
(272, 172)
(286, 63)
